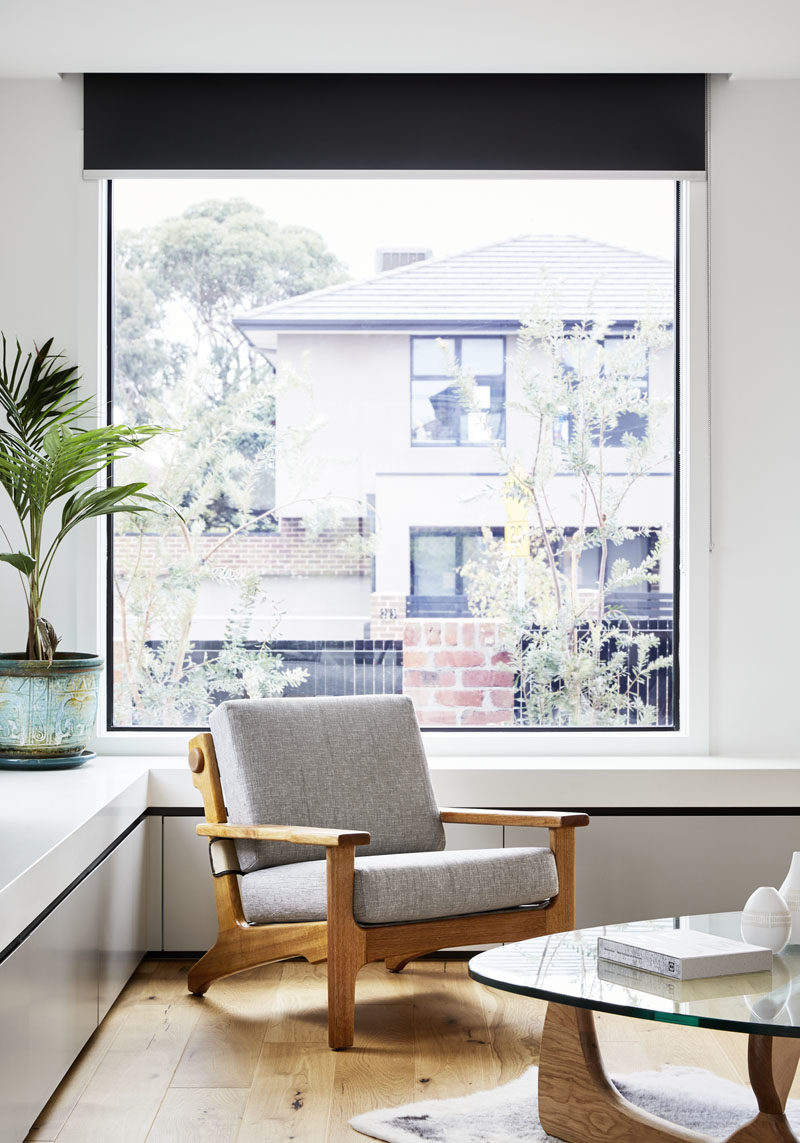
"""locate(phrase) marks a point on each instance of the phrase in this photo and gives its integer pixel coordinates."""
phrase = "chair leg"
(398, 963)
(239, 948)
(342, 974)
(346, 948)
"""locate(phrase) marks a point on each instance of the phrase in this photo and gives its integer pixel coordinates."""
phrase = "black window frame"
(650, 534)
(495, 381)
(459, 533)
(614, 436)
(675, 726)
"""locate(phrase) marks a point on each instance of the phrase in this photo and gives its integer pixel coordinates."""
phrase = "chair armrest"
(300, 835)
(551, 819)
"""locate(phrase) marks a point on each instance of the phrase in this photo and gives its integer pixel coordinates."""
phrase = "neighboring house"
(392, 445)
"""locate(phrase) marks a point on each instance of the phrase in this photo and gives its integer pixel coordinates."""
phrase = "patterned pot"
(47, 713)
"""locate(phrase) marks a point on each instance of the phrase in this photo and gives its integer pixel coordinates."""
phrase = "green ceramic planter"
(47, 713)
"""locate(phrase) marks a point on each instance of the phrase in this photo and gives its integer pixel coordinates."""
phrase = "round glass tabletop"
(565, 968)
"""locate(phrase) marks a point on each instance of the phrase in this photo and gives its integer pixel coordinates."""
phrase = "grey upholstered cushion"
(406, 887)
(343, 763)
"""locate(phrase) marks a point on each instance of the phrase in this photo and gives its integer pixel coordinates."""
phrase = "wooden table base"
(579, 1104)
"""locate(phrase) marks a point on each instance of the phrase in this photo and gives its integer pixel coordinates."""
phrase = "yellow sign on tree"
(516, 533)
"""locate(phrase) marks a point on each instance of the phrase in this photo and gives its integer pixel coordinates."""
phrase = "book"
(685, 954)
(683, 991)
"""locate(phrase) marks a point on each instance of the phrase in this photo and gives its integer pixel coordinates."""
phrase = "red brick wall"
(454, 673)
(289, 551)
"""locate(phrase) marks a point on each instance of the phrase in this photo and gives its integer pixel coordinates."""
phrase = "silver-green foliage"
(180, 359)
(579, 659)
(162, 680)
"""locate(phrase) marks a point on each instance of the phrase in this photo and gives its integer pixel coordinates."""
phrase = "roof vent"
(387, 258)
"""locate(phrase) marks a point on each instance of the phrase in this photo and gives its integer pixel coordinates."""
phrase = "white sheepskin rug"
(691, 1097)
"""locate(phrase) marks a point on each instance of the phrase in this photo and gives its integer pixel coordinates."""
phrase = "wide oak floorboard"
(249, 1062)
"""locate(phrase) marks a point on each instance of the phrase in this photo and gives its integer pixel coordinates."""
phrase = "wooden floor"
(249, 1061)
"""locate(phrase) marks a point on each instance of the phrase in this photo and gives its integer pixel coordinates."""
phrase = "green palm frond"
(47, 456)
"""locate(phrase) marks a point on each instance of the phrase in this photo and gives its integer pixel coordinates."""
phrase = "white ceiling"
(749, 38)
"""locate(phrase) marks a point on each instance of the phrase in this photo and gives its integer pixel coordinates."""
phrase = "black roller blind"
(394, 122)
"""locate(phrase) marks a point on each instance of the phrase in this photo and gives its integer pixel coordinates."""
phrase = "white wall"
(46, 286)
(754, 188)
(46, 267)
(746, 37)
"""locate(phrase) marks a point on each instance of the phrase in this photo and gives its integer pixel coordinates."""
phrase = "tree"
(179, 355)
(579, 659)
(179, 283)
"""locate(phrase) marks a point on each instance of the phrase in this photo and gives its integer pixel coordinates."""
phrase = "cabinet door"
(190, 915)
(121, 891)
(48, 1007)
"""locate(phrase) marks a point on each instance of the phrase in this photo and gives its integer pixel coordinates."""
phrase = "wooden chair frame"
(345, 944)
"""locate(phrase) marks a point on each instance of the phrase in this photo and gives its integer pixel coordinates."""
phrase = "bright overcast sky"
(357, 216)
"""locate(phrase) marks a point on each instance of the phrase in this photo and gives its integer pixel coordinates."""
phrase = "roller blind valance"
(416, 122)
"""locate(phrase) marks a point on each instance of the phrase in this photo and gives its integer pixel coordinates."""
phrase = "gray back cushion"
(342, 763)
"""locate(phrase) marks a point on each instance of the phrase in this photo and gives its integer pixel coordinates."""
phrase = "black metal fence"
(655, 688)
(332, 666)
(658, 689)
(375, 666)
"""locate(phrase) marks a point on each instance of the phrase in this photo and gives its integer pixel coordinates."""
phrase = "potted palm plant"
(49, 459)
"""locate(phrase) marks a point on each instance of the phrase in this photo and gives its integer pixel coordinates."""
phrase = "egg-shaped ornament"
(766, 919)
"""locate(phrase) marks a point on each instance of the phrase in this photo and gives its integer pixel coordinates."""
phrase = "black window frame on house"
(445, 603)
(588, 578)
(629, 422)
(451, 404)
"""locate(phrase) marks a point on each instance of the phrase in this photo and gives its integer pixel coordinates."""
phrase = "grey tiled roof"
(489, 286)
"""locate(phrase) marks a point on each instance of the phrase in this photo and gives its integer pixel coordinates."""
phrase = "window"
(440, 415)
(320, 547)
(633, 578)
(614, 359)
(438, 556)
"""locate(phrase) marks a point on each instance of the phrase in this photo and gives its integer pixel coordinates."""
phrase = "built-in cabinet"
(62, 979)
(190, 915)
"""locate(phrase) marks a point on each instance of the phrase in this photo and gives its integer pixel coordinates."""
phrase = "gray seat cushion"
(406, 887)
(344, 763)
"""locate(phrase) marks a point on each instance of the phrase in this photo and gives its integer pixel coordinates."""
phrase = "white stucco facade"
(352, 391)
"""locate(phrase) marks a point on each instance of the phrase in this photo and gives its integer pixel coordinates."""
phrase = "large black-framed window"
(440, 413)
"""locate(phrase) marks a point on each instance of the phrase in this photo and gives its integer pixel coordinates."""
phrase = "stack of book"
(683, 954)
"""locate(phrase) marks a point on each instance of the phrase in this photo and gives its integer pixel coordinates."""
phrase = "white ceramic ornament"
(766, 920)
(790, 891)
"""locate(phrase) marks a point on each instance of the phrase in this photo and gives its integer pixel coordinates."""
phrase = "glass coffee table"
(577, 1101)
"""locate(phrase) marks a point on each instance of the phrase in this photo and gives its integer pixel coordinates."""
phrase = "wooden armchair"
(355, 762)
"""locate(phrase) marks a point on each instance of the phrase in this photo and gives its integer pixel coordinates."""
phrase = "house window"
(624, 369)
(440, 412)
(438, 556)
(631, 572)
(314, 551)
